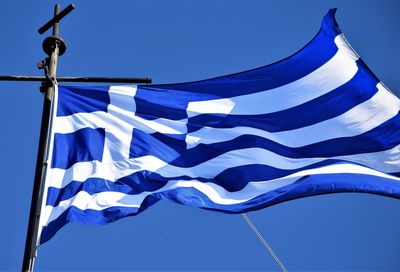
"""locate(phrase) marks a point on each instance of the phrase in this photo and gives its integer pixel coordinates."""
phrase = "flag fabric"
(316, 122)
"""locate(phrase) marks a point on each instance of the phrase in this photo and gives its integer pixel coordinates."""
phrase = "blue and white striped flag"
(317, 122)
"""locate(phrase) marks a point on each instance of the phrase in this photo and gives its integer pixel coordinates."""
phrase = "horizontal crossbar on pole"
(79, 79)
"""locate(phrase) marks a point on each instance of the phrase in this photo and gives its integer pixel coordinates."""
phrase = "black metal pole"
(41, 164)
(54, 47)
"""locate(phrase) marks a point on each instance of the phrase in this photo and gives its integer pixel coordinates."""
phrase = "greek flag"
(316, 122)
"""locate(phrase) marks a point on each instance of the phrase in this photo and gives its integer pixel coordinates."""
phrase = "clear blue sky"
(175, 41)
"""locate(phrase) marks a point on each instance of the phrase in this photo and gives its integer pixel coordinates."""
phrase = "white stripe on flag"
(385, 161)
(362, 118)
(99, 119)
(333, 74)
(214, 192)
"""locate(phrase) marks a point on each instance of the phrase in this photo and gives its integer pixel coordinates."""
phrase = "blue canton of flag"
(317, 122)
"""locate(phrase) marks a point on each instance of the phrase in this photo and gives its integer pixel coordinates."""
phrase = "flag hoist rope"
(265, 244)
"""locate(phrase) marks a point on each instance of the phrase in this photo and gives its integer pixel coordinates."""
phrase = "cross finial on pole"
(55, 42)
(49, 42)
(56, 19)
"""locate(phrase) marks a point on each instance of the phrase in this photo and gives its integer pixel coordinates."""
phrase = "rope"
(266, 245)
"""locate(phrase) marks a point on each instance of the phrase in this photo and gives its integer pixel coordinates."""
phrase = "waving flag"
(317, 122)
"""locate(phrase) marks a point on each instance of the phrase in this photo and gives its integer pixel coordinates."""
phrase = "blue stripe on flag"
(146, 181)
(359, 89)
(332, 183)
(86, 144)
(326, 184)
(92, 217)
(383, 137)
(321, 49)
(82, 99)
(149, 144)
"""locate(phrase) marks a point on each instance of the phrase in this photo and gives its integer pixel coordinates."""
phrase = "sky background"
(177, 41)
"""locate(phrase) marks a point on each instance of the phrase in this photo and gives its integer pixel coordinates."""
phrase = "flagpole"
(53, 46)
